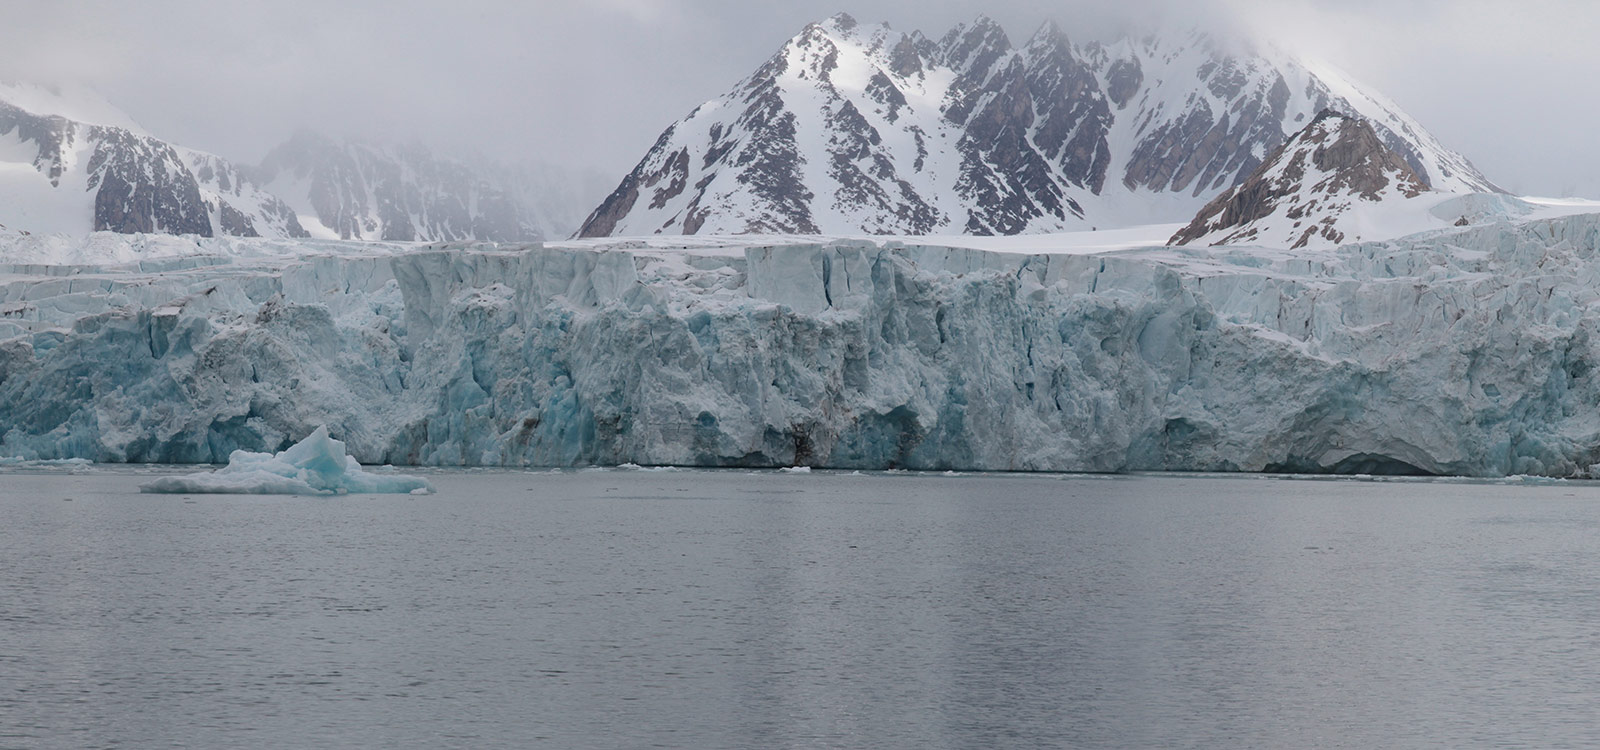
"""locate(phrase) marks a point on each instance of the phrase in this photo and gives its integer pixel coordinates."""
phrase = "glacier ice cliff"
(1469, 352)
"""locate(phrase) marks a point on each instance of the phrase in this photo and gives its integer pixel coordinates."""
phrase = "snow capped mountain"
(58, 174)
(1326, 184)
(853, 128)
(61, 174)
(353, 190)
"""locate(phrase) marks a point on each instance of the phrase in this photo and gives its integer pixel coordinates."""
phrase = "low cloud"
(594, 83)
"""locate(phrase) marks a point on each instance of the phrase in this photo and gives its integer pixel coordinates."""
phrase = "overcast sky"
(1509, 83)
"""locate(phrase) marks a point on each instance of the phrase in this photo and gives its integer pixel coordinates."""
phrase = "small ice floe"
(796, 470)
(631, 466)
(1534, 479)
(314, 466)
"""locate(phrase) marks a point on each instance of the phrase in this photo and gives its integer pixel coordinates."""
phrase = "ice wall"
(1467, 352)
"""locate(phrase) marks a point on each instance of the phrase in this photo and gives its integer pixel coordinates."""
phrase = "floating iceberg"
(314, 466)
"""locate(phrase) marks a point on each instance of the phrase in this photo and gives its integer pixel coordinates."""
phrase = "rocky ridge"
(1315, 190)
(140, 183)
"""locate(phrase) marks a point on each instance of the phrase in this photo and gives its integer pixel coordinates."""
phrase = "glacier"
(316, 465)
(1467, 351)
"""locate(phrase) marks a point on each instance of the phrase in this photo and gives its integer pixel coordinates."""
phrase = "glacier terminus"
(1466, 351)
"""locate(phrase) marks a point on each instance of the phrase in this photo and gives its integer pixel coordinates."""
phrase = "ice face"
(316, 465)
(1470, 352)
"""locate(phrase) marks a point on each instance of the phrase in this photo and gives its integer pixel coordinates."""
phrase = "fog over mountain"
(590, 85)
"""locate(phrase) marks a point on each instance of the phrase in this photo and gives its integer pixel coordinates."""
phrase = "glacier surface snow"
(1468, 352)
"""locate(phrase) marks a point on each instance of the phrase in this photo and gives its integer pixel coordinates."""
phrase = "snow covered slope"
(1331, 181)
(1465, 351)
(74, 103)
(62, 175)
(855, 129)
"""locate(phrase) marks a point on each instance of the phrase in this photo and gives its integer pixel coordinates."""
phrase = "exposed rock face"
(1073, 119)
(855, 129)
(140, 183)
(144, 187)
(1309, 190)
(1005, 180)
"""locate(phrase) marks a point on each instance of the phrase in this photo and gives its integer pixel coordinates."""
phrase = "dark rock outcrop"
(1310, 181)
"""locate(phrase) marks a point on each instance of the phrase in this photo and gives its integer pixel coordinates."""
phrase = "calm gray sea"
(699, 609)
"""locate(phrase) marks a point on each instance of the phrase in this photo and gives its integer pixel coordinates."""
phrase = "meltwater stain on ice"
(316, 465)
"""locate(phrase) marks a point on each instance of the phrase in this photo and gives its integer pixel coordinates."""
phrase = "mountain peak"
(975, 45)
(841, 21)
(1049, 33)
(1312, 191)
(875, 132)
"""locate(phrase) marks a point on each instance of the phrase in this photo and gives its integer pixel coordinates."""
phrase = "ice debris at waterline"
(314, 466)
(9, 461)
(18, 464)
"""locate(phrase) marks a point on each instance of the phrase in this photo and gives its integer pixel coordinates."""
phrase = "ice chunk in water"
(314, 466)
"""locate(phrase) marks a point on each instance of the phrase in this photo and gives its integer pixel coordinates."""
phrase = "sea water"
(731, 609)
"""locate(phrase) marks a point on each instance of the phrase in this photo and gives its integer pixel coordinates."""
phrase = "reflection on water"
(727, 609)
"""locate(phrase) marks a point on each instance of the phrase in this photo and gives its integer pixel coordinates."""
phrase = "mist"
(591, 85)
